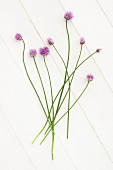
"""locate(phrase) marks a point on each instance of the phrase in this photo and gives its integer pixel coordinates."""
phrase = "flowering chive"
(32, 52)
(18, 36)
(51, 118)
(90, 77)
(82, 40)
(98, 50)
(68, 15)
(50, 41)
(44, 51)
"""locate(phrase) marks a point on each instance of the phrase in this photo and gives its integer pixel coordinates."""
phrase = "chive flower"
(50, 41)
(18, 37)
(44, 51)
(82, 40)
(68, 15)
(98, 50)
(90, 77)
(32, 52)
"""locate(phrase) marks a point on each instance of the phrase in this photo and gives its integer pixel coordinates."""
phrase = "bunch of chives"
(49, 111)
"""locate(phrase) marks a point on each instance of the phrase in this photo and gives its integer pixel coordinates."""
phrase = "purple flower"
(18, 36)
(98, 50)
(90, 77)
(44, 51)
(68, 15)
(50, 41)
(32, 52)
(82, 40)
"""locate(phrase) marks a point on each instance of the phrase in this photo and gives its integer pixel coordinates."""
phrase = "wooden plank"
(107, 8)
(97, 32)
(44, 25)
(17, 101)
(12, 155)
(23, 112)
(94, 26)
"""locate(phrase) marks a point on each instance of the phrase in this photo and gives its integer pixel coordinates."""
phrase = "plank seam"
(17, 138)
(104, 13)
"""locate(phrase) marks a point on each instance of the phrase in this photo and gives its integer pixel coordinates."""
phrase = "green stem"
(52, 125)
(79, 56)
(31, 81)
(45, 137)
(65, 68)
(68, 116)
(74, 102)
(65, 71)
(50, 84)
(86, 59)
(47, 130)
(42, 87)
(53, 141)
(67, 111)
(72, 78)
(72, 75)
(67, 81)
(69, 90)
(70, 82)
(39, 132)
(61, 59)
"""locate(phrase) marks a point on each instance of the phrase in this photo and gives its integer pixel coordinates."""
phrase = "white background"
(90, 144)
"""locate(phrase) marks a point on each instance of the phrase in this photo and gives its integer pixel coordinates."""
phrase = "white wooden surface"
(90, 146)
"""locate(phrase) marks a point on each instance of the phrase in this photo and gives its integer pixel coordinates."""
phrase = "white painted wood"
(106, 7)
(18, 107)
(12, 155)
(102, 117)
(91, 23)
(84, 150)
(97, 83)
